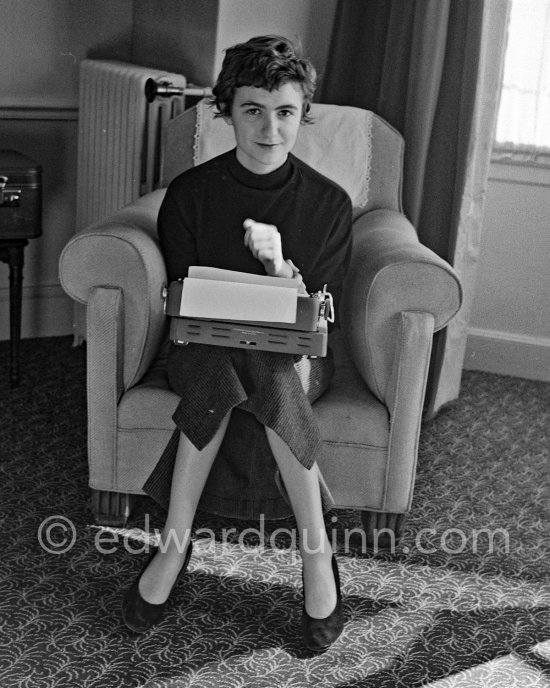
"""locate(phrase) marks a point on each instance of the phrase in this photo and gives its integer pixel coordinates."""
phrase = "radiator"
(120, 135)
(120, 138)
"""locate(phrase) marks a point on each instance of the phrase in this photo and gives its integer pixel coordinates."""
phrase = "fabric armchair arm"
(397, 293)
(122, 252)
(391, 273)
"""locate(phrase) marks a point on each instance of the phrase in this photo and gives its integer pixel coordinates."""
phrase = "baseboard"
(46, 312)
(508, 354)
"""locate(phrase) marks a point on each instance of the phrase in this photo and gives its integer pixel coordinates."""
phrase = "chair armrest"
(405, 399)
(390, 273)
(104, 382)
(122, 252)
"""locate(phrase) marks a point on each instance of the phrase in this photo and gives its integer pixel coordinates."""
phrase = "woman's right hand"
(264, 241)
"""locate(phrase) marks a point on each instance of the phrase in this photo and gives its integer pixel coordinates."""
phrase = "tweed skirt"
(276, 388)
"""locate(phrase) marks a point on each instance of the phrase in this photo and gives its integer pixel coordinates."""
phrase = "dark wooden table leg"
(12, 253)
(16, 298)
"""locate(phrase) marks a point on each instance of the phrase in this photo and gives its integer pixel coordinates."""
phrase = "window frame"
(522, 153)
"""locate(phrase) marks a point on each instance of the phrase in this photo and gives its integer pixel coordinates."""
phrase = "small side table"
(20, 220)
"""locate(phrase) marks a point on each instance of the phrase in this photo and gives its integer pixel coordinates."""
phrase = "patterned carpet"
(463, 601)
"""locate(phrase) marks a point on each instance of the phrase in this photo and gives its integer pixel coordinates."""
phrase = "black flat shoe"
(319, 634)
(140, 615)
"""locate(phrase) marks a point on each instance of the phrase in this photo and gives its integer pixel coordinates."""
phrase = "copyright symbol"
(56, 534)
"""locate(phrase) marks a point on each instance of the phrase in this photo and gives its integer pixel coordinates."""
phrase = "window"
(523, 124)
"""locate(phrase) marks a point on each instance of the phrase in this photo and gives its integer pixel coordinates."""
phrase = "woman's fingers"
(264, 241)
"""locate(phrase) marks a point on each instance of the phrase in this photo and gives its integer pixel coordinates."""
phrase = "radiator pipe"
(164, 89)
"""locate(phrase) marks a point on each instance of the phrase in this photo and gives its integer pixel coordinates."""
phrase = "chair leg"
(383, 531)
(111, 508)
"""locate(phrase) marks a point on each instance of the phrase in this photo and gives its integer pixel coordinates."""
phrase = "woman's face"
(266, 124)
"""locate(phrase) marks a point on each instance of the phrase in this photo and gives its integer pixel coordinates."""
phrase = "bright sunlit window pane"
(524, 114)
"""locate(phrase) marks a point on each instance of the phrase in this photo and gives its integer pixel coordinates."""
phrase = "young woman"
(256, 209)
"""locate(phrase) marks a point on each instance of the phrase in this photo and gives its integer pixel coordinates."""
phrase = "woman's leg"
(191, 471)
(302, 486)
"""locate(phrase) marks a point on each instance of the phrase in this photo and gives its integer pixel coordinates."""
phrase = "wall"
(310, 21)
(189, 36)
(41, 45)
(510, 321)
(177, 36)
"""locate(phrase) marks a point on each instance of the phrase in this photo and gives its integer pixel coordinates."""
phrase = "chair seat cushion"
(347, 413)
(354, 424)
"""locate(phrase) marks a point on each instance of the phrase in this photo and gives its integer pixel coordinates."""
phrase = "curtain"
(432, 69)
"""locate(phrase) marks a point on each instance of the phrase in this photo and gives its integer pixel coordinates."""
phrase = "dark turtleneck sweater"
(201, 220)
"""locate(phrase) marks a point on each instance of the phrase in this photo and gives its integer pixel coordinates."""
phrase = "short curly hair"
(265, 62)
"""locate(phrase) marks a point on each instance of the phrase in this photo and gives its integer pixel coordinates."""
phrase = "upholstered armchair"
(397, 294)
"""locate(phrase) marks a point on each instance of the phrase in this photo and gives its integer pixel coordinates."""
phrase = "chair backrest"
(354, 147)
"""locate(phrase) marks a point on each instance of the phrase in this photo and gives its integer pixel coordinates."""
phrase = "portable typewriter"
(236, 309)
